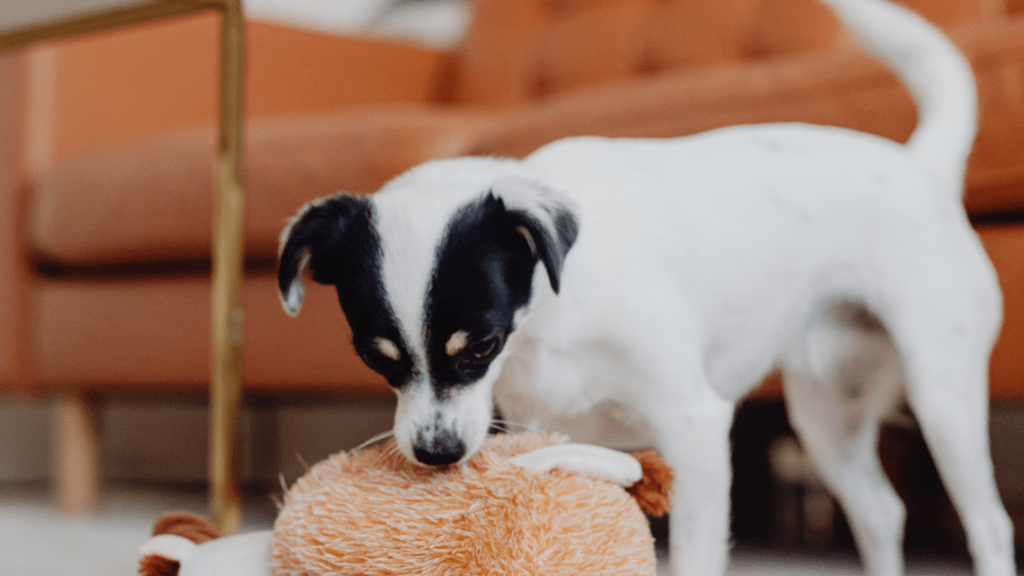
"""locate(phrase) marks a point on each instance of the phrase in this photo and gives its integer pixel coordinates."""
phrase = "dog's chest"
(583, 391)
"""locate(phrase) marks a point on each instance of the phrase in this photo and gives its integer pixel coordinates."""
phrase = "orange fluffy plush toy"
(525, 504)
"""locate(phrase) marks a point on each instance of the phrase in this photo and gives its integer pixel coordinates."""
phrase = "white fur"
(704, 262)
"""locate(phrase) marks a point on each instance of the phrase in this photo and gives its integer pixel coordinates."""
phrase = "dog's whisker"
(508, 426)
(374, 439)
(388, 452)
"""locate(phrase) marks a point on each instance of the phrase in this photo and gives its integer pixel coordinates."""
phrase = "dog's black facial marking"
(343, 249)
(483, 274)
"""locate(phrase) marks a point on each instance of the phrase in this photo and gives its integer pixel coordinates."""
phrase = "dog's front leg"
(693, 437)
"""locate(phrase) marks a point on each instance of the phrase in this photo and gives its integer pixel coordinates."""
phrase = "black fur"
(483, 275)
(344, 251)
(443, 448)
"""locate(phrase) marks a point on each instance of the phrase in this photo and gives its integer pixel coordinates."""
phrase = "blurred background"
(107, 178)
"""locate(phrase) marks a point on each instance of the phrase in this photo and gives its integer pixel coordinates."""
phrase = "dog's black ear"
(315, 238)
(547, 218)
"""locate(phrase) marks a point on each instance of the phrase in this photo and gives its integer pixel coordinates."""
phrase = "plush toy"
(525, 504)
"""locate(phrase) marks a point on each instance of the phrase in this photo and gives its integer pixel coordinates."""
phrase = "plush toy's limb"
(175, 537)
(653, 491)
(185, 524)
(186, 545)
(157, 565)
(612, 465)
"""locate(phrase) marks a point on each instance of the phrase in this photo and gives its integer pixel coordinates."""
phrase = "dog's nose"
(442, 450)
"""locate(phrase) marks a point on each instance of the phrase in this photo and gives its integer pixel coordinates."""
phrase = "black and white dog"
(629, 292)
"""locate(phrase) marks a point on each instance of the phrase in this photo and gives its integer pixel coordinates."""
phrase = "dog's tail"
(936, 73)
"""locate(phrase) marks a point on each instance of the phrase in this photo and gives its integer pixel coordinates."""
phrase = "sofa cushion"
(841, 87)
(154, 200)
(153, 333)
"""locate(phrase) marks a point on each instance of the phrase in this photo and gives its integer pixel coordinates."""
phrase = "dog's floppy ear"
(547, 218)
(319, 230)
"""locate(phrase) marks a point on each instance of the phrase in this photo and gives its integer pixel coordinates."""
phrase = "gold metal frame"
(229, 235)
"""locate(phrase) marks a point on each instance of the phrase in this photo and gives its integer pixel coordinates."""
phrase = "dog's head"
(433, 282)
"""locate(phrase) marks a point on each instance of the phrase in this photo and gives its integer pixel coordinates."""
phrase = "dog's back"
(730, 206)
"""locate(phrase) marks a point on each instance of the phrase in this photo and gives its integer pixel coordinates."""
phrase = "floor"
(39, 541)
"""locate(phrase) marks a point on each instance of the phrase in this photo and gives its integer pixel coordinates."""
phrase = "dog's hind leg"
(945, 338)
(956, 431)
(839, 383)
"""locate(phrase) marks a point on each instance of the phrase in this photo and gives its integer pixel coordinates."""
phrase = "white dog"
(629, 292)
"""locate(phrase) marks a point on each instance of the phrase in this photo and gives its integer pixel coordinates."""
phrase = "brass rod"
(228, 263)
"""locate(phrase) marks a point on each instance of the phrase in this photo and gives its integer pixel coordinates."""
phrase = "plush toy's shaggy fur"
(374, 512)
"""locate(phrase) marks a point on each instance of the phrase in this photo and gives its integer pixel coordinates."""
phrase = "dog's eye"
(483, 348)
(382, 356)
(376, 361)
(481, 351)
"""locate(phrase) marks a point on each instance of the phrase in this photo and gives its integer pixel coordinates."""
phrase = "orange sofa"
(107, 148)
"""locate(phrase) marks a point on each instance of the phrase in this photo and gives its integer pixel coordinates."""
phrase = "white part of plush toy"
(241, 555)
(611, 465)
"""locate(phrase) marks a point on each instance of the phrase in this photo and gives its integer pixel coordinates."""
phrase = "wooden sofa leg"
(77, 454)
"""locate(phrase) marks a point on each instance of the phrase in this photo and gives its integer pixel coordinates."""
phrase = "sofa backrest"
(141, 82)
(520, 50)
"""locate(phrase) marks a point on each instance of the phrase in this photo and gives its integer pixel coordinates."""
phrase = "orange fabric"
(152, 333)
(951, 14)
(375, 512)
(14, 268)
(518, 51)
(783, 27)
(494, 59)
(688, 34)
(1005, 245)
(592, 46)
(842, 87)
(134, 83)
(154, 200)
